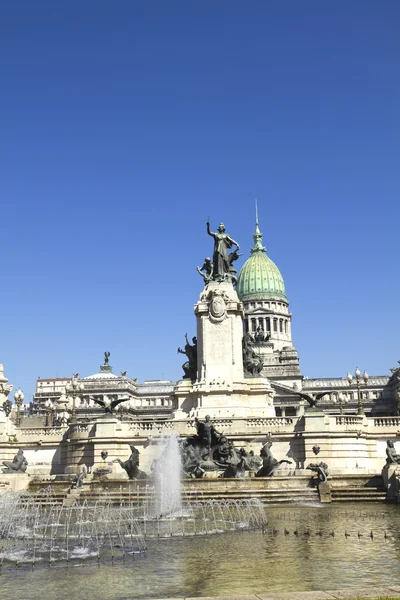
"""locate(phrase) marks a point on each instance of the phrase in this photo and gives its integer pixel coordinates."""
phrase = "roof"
(260, 278)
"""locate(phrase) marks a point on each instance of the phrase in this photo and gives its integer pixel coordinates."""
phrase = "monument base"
(17, 482)
(247, 398)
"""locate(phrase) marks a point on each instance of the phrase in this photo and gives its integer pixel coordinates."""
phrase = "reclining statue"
(19, 463)
(321, 469)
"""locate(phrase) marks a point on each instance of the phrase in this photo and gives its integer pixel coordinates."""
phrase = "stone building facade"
(267, 317)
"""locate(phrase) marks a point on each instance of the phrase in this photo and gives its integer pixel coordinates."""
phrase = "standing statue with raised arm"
(222, 243)
(190, 366)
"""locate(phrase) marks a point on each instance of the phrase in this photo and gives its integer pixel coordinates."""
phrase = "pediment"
(259, 311)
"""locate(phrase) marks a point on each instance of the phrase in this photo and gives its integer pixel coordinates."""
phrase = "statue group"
(211, 450)
(221, 267)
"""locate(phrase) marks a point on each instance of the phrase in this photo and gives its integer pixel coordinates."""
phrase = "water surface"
(306, 547)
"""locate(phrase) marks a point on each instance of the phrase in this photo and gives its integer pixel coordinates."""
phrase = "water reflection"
(305, 548)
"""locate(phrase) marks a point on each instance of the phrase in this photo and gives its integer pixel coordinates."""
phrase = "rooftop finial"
(257, 236)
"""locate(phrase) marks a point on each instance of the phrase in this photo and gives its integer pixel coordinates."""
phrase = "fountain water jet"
(167, 477)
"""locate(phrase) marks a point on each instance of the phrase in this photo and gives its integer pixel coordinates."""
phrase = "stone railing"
(150, 426)
(38, 432)
(386, 421)
(269, 422)
(350, 420)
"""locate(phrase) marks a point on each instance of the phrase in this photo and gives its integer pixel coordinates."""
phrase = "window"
(281, 325)
(268, 322)
(275, 324)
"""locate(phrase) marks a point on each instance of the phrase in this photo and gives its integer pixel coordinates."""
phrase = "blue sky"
(125, 125)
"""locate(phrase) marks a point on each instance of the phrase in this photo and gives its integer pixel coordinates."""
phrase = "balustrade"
(387, 422)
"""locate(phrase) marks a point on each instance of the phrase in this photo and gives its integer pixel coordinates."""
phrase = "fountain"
(167, 477)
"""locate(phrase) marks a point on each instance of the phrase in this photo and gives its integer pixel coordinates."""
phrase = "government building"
(268, 321)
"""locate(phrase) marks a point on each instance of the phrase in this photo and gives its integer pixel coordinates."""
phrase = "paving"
(346, 594)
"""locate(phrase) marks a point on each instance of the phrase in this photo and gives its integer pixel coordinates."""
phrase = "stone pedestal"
(14, 481)
(221, 389)
(391, 481)
(219, 316)
(324, 490)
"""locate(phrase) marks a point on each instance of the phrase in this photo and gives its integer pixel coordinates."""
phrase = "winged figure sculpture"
(312, 399)
(108, 404)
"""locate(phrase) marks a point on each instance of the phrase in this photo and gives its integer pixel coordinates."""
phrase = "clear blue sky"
(124, 125)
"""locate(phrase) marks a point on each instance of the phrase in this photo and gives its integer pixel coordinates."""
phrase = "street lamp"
(19, 398)
(358, 383)
(73, 387)
(49, 409)
(342, 401)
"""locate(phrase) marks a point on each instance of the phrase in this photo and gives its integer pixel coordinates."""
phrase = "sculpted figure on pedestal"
(221, 261)
(131, 466)
(190, 366)
(321, 469)
(206, 271)
(270, 464)
(19, 463)
(7, 407)
(252, 363)
(391, 457)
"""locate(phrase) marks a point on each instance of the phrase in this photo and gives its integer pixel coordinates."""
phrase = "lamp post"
(19, 398)
(49, 409)
(358, 383)
(342, 400)
(73, 387)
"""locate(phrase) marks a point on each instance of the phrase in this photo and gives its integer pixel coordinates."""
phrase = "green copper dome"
(260, 278)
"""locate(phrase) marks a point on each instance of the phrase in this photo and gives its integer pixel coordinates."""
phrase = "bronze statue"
(321, 469)
(7, 407)
(222, 243)
(312, 399)
(206, 432)
(231, 259)
(19, 463)
(131, 466)
(208, 268)
(270, 464)
(78, 479)
(391, 457)
(106, 357)
(190, 366)
(108, 404)
(235, 470)
(260, 336)
(252, 363)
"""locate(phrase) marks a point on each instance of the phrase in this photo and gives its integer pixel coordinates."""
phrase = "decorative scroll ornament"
(217, 300)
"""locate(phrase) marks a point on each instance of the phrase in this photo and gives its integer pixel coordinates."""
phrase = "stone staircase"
(358, 488)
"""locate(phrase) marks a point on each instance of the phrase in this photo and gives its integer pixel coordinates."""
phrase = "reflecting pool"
(305, 547)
